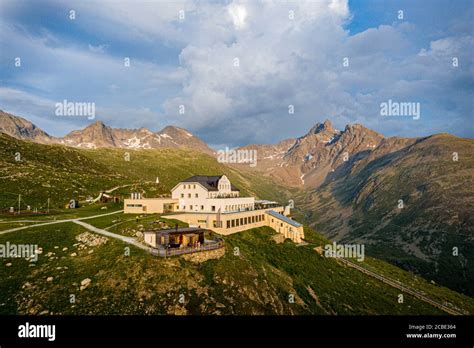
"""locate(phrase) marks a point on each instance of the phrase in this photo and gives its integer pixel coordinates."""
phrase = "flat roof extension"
(283, 218)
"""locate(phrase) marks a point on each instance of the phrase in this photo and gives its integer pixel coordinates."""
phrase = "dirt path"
(56, 222)
(125, 239)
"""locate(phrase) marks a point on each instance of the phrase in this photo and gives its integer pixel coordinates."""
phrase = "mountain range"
(308, 160)
(409, 200)
(98, 135)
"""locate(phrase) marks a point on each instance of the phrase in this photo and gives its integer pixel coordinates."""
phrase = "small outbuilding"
(175, 237)
(176, 241)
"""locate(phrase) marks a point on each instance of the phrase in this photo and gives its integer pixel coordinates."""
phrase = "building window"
(237, 222)
(196, 195)
(202, 207)
(194, 186)
(190, 207)
(233, 223)
(241, 221)
(245, 221)
(213, 208)
(189, 195)
(228, 224)
(182, 195)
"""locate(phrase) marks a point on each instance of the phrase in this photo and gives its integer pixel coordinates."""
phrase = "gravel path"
(56, 222)
(125, 239)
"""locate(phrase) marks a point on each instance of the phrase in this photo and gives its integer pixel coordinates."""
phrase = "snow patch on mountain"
(87, 145)
(136, 143)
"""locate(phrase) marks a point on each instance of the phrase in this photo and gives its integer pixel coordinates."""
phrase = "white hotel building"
(210, 194)
(212, 202)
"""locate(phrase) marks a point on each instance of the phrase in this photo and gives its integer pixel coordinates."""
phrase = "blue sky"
(282, 62)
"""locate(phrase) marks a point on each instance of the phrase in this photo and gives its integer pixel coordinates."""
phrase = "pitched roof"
(283, 218)
(208, 181)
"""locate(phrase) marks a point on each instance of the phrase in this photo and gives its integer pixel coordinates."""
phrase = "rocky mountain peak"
(359, 130)
(21, 128)
(96, 125)
(326, 127)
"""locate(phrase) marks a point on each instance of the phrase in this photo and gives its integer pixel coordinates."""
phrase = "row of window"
(213, 195)
(191, 207)
(235, 207)
(281, 225)
(239, 207)
(244, 221)
(224, 187)
(189, 186)
(134, 205)
(189, 195)
(183, 207)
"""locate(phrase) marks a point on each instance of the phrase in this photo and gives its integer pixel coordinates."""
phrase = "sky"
(240, 72)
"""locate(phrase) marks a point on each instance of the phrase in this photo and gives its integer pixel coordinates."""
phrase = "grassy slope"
(256, 281)
(62, 173)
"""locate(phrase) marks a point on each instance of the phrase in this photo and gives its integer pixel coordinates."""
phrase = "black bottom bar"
(208, 330)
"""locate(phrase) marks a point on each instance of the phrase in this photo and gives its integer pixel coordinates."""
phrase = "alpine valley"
(410, 201)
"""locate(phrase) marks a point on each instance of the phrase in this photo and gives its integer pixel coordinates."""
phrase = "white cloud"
(340, 7)
(238, 13)
(97, 49)
(283, 60)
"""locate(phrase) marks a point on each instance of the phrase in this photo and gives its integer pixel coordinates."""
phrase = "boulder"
(85, 283)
